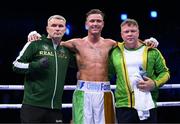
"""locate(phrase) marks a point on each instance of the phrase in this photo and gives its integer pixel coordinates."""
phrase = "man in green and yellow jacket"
(125, 62)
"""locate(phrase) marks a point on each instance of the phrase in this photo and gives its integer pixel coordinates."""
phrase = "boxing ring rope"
(72, 87)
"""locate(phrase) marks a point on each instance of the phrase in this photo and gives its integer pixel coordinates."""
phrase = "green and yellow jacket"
(43, 87)
(153, 63)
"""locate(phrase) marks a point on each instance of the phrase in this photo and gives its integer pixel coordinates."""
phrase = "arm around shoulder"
(71, 44)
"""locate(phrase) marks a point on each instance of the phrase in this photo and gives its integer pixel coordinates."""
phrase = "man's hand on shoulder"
(151, 42)
(33, 36)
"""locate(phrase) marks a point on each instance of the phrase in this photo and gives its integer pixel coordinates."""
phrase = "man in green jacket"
(139, 71)
(44, 64)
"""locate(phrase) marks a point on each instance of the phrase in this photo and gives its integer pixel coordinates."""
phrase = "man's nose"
(95, 23)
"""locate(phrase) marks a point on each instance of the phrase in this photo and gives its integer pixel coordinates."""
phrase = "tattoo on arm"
(74, 48)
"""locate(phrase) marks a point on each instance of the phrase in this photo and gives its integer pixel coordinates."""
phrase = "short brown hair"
(129, 22)
(95, 11)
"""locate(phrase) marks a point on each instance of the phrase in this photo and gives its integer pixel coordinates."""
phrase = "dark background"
(17, 19)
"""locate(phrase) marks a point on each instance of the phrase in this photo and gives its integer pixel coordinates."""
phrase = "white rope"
(170, 86)
(11, 87)
(162, 104)
(17, 106)
(69, 105)
(72, 87)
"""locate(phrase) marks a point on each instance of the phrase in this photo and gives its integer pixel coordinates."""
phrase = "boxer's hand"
(44, 63)
(33, 36)
(151, 42)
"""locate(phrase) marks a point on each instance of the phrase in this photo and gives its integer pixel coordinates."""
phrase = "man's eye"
(126, 31)
(54, 25)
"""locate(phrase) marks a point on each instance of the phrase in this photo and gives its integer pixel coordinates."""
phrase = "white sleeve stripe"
(22, 51)
(21, 65)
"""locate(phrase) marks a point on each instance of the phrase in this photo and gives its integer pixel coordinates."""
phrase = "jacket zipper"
(52, 100)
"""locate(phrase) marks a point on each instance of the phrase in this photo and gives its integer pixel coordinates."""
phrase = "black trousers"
(130, 115)
(34, 114)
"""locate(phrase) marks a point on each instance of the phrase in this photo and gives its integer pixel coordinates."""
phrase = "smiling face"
(94, 23)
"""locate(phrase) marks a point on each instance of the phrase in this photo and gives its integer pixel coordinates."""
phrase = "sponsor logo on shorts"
(81, 85)
(105, 87)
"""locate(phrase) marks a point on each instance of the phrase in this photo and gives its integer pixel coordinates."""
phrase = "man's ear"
(103, 24)
(65, 29)
(86, 26)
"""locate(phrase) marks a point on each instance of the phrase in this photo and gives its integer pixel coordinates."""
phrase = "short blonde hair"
(57, 17)
(130, 22)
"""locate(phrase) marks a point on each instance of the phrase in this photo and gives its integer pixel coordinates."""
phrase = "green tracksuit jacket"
(43, 87)
(153, 63)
